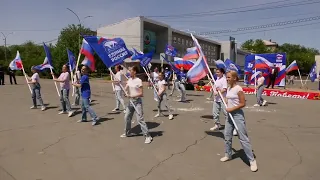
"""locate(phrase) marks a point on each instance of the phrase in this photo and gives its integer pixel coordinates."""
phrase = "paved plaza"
(36, 145)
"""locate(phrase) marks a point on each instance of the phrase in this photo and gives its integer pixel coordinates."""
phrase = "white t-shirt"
(260, 80)
(118, 77)
(232, 96)
(221, 83)
(35, 77)
(134, 86)
(161, 84)
(77, 76)
(155, 77)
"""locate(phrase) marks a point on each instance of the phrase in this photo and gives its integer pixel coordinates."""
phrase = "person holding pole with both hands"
(36, 93)
(134, 91)
(235, 102)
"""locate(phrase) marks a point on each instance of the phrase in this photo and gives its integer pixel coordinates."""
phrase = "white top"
(118, 77)
(161, 85)
(35, 77)
(77, 76)
(155, 76)
(260, 80)
(232, 96)
(134, 86)
(221, 83)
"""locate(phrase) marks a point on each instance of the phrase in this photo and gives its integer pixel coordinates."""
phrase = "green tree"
(68, 38)
(255, 46)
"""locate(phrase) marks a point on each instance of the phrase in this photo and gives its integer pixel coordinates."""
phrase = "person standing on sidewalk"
(64, 80)
(235, 102)
(36, 93)
(260, 88)
(117, 80)
(134, 90)
(12, 76)
(85, 95)
(220, 86)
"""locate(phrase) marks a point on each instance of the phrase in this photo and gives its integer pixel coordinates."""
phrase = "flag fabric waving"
(16, 64)
(87, 51)
(111, 51)
(72, 60)
(186, 64)
(47, 63)
(231, 66)
(198, 71)
(220, 64)
(175, 70)
(261, 63)
(192, 53)
(313, 73)
(145, 59)
(293, 66)
(136, 54)
(170, 50)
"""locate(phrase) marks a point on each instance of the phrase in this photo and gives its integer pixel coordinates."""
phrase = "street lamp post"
(79, 42)
(5, 44)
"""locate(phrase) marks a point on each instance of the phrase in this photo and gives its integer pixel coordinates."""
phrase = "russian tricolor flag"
(198, 71)
(186, 64)
(261, 63)
(16, 64)
(192, 53)
(293, 66)
(87, 51)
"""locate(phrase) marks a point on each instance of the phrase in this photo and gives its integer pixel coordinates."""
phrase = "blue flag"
(171, 51)
(72, 60)
(231, 66)
(136, 54)
(175, 69)
(111, 51)
(145, 59)
(313, 73)
(47, 63)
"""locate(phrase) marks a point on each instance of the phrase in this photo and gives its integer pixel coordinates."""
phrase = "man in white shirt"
(118, 91)
(260, 88)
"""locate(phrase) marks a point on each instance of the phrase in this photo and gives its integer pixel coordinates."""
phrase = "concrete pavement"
(36, 145)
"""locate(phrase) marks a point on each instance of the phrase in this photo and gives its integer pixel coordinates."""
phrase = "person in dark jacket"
(273, 74)
(1, 75)
(12, 75)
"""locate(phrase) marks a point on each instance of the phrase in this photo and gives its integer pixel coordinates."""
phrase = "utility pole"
(5, 45)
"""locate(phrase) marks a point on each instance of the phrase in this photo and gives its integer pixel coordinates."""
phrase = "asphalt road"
(36, 145)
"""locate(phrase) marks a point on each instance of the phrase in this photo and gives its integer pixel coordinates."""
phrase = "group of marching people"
(225, 89)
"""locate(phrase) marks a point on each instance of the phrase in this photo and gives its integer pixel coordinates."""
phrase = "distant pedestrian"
(182, 77)
(291, 80)
(12, 75)
(1, 75)
(167, 76)
(161, 86)
(235, 102)
(85, 94)
(34, 81)
(117, 79)
(259, 90)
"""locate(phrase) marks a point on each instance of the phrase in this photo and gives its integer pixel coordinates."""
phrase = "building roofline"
(198, 37)
(142, 18)
(127, 19)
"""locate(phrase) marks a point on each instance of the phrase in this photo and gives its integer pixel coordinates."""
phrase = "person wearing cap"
(36, 93)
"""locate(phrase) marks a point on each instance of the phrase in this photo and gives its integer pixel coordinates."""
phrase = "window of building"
(183, 42)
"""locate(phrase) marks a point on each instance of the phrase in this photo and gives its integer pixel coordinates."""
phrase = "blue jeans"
(64, 99)
(242, 134)
(217, 107)
(119, 99)
(129, 114)
(87, 108)
(36, 94)
(77, 96)
(183, 91)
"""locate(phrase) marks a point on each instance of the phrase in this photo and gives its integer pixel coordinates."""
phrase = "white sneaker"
(115, 110)
(157, 115)
(70, 113)
(124, 111)
(62, 112)
(235, 133)
(256, 105)
(80, 121)
(214, 128)
(253, 166)
(208, 98)
(264, 103)
(224, 159)
(43, 108)
(170, 117)
(33, 107)
(148, 140)
(125, 135)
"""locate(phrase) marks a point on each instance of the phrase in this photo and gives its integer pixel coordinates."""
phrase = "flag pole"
(300, 78)
(305, 82)
(112, 80)
(71, 73)
(55, 83)
(24, 73)
(122, 88)
(255, 81)
(223, 100)
(76, 69)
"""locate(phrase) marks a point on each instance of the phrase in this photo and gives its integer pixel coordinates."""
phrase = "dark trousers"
(1, 79)
(271, 82)
(13, 76)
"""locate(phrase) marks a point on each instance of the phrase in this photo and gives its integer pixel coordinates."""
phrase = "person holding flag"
(161, 86)
(134, 91)
(36, 93)
(117, 80)
(235, 102)
(182, 78)
(64, 80)
(85, 94)
(167, 76)
(260, 88)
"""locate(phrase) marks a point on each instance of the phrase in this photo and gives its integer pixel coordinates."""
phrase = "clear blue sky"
(42, 20)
